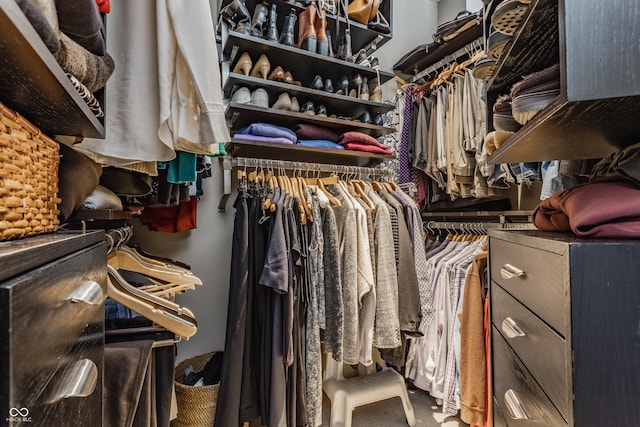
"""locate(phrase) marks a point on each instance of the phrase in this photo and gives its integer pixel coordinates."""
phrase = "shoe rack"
(303, 65)
(599, 103)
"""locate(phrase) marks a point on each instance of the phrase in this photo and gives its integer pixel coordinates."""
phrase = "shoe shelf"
(302, 64)
(241, 115)
(33, 84)
(265, 150)
(336, 104)
(599, 103)
(362, 37)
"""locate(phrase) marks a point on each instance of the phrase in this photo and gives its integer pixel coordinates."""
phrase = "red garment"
(171, 219)
(104, 6)
(365, 147)
(361, 138)
(604, 209)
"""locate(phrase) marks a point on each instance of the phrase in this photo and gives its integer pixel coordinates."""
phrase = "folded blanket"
(308, 131)
(608, 209)
(93, 71)
(361, 138)
(366, 148)
(551, 74)
(80, 20)
(102, 198)
(259, 138)
(321, 143)
(623, 165)
(267, 129)
(40, 23)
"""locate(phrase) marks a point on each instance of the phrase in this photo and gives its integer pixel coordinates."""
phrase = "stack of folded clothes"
(534, 93)
(359, 141)
(266, 132)
(503, 116)
(317, 136)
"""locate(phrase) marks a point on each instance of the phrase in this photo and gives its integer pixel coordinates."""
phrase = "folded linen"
(361, 138)
(321, 143)
(355, 146)
(267, 129)
(93, 71)
(275, 140)
(309, 131)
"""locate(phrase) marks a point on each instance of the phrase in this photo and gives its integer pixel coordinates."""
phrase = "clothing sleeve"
(275, 273)
(333, 333)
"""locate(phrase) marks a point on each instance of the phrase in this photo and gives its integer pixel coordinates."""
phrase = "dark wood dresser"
(565, 330)
(52, 292)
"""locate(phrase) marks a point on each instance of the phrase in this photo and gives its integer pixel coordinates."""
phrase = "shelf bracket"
(226, 183)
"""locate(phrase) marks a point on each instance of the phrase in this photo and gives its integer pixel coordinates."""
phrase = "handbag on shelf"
(462, 22)
(363, 11)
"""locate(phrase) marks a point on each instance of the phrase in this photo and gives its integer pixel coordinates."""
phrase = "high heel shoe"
(328, 86)
(244, 64)
(295, 107)
(277, 74)
(260, 14)
(356, 84)
(307, 33)
(317, 83)
(261, 67)
(376, 94)
(364, 89)
(283, 102)
(288, 78)
(343, 86)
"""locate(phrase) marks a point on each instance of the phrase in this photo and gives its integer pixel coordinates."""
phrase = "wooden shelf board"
(33, 84)
(477, 214)
(100, 215)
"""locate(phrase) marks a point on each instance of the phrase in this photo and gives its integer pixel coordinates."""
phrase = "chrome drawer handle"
(90, 292)
(80, 381)
(508, 271)
(514, 407)
(511, 328)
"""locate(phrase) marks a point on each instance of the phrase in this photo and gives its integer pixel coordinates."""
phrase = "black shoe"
(286, 36)
(321, 111)
(260, 14)
(308, 108)
(343, 86)
(272, 31)
(317, 83)
(356, 86)
(328, 86)
(234, 12)
(364, 118)
(344, 46)
(377, 119)
(361, 58)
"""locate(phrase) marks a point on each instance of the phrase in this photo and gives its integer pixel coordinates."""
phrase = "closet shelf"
(534, 47)
(361, 35)
(297, 153)
(241, 115)
(302, 64)
(336, 104)
(33, 84)
(100, 215)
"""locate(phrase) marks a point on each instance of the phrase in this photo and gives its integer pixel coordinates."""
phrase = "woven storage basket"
(196, 405)
(28, 178)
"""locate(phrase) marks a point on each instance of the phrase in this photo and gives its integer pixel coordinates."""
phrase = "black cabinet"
(52, 293)
(596, 45)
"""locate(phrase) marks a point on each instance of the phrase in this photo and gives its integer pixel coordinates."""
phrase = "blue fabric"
(266, 129)
(322, 143)
(553, 181)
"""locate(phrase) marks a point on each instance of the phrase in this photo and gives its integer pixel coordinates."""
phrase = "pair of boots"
(260, 21)
(313, 31)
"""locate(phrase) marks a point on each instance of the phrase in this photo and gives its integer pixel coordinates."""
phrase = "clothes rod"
(307, 167)
(467, 49)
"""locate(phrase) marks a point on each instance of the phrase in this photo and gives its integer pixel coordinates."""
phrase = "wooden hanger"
(358, 186)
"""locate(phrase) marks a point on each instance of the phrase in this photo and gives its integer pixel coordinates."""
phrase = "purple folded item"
(608, 209)
(307, 131)
(259, 138)
(321, 143)
(266, 129)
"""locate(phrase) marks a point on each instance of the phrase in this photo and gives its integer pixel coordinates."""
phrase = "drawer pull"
(514, 407)
(508, 271)
(80, 381)
(90, 292)
(511, 328)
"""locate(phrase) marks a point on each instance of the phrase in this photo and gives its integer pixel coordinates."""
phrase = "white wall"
(208, 248)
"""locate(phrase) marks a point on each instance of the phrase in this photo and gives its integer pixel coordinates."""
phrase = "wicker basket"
(196, 405)
(28, 178)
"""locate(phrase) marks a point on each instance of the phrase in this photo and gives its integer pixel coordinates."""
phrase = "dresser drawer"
(538, 279)
(519, 397)
(540, 348)
(49, 310)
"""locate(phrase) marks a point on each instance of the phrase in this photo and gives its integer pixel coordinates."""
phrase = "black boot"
(260, 14)
(234, 12)
(272, 31)
(286, 36)
(331, 54)
(344, 46)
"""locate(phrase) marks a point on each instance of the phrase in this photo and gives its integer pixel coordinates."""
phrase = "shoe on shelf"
(328, 86)
(295, 107)
(317, 83)
(286, 36)
(277, 74)
(364, 91)
(308, 108)
(364, 118)
(272, 31)
(306, 29)
(377, 119)
(375, 95)
(361, 58)
(234, 12)
(343, 86)
(260, 14)
(321, 111)
(243, 64)
(330, 43)
(356, 86)
(261, 67)
(260, 98)
(283, 102)
(243, 27)
(344, 46)
(241, 96)
(322, 39)
(288, 78)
